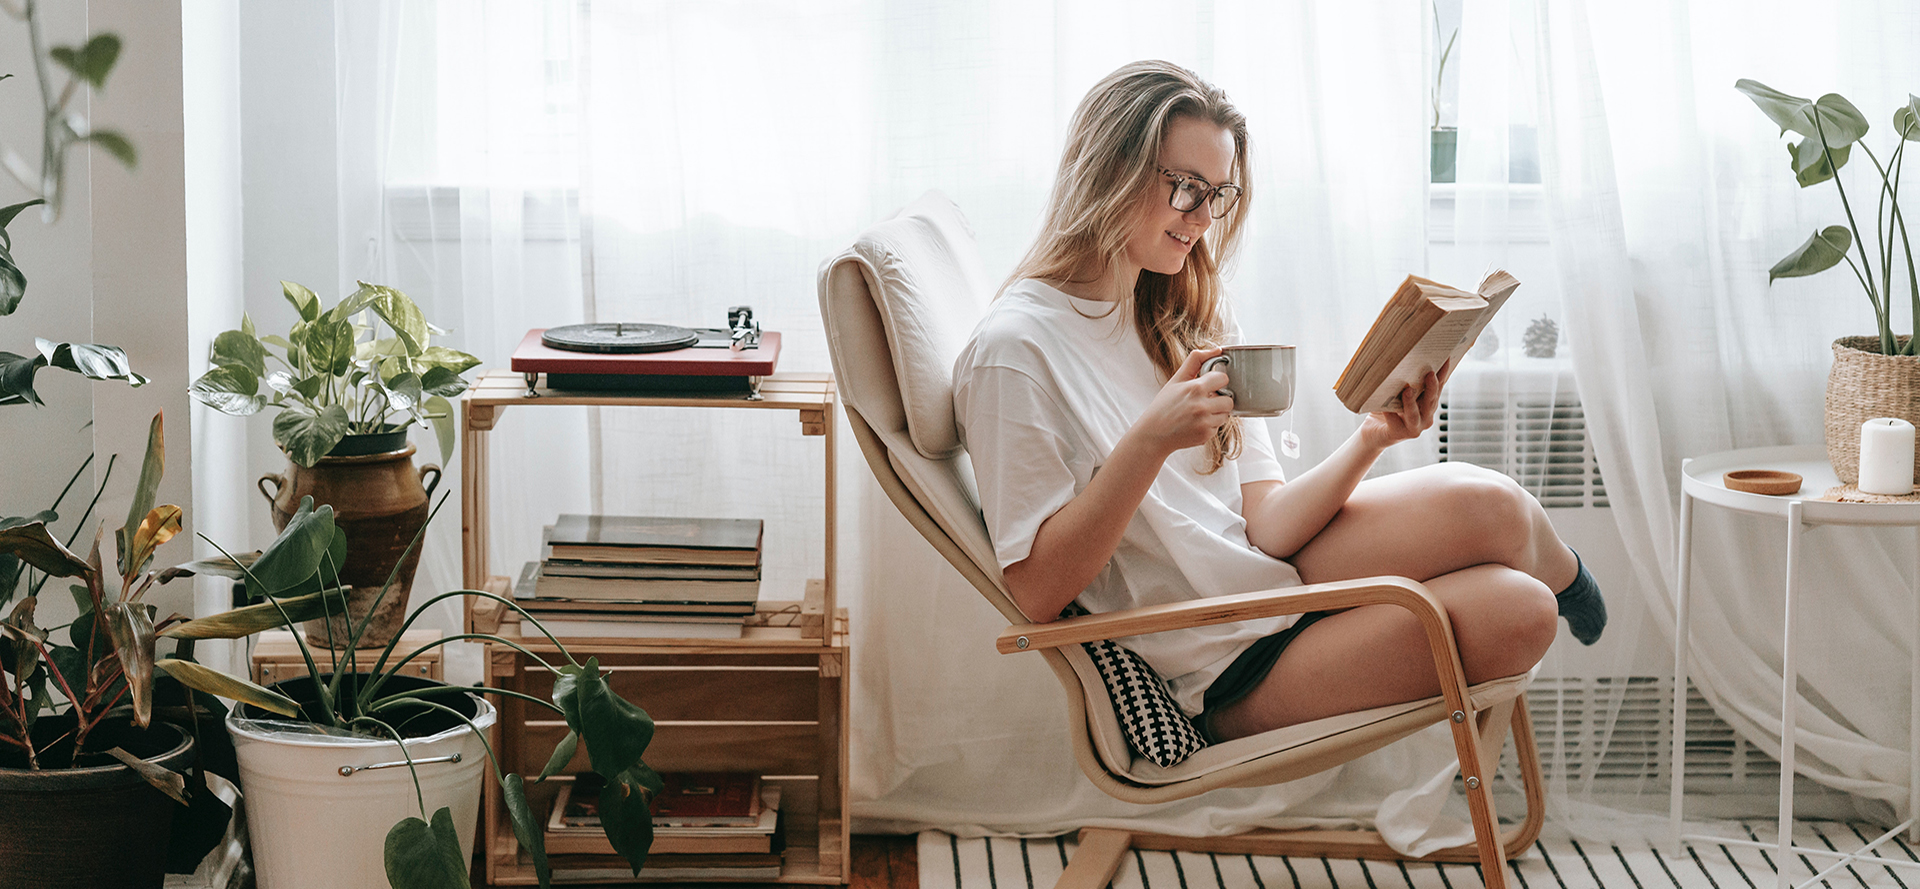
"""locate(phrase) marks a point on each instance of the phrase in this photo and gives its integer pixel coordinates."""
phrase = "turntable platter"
(618, 338)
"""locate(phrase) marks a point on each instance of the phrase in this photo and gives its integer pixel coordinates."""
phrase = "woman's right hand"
(1188, 409)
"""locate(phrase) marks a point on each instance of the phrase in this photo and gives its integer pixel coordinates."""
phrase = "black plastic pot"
(413, 721)
(92, 826)
(364, 443)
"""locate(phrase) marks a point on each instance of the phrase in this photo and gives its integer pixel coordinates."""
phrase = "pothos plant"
(61, 692)
(334, 373)
(1830, 127)
(297, 578)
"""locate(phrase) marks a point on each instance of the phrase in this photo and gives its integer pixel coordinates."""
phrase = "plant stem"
(1880, 311)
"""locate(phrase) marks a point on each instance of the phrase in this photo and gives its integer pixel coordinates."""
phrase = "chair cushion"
(1153, 724)
(925, 273)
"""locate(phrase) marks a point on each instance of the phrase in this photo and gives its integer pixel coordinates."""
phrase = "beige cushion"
(924, 271)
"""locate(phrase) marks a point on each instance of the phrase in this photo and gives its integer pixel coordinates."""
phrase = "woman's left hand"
(1418, 407)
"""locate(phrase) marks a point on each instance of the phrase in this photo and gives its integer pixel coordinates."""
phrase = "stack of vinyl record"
(644, 576)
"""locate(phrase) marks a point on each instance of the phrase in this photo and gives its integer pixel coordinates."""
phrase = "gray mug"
(1259, 378)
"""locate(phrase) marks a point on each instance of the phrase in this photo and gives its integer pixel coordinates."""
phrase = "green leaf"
(562, 754)
(71, 665)
(329, 345)
(1782, 109)
(1906, 120)
(294, 557)
(1809, 163)
(530, 832)
(1823, 251)
(116, 145)
(130, 626)
(285, 345)
(307, 436)
(401, 314)
(441, 380)
(33, 545)
(304, 301)
(7, 214)
(242, 622)
(423, 856)
(440, 414)
(214, 682)
(163, 779)
(151, 471)
(241, 348)
(451, 359)
(616, 733)
(311, 386)
(16, 378)
(95, 362)
(13, 282)
(1839, 121)
(403, 392)
(230, 389)
(91, 62)
(624, 813)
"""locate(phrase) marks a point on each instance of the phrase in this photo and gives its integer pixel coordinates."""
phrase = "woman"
(1112, 474)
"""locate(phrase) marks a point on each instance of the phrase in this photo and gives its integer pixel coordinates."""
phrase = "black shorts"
(1241, 677)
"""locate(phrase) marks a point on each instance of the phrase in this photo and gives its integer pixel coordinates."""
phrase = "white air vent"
(1613, 736)
(1539, 442)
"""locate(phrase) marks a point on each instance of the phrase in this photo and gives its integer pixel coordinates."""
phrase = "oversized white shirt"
(1043, 392)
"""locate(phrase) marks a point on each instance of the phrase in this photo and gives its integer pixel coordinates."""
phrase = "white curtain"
(1668, 200)
(518, 165)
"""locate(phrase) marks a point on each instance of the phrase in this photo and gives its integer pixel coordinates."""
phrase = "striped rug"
(949, 862)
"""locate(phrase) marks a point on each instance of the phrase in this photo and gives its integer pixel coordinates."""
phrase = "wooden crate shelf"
(773, 701)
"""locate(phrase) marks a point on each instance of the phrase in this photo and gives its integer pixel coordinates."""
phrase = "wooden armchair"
(898, 306)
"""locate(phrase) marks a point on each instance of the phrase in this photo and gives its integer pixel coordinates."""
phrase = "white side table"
(1701, 481)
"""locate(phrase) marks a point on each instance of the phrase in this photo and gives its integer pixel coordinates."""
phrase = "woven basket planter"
(1862, 385)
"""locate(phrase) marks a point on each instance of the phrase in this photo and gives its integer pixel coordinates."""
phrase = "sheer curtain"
(1667, 202)
(549, 163)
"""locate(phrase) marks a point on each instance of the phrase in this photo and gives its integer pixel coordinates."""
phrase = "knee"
(1492, 507)
(1528, 622)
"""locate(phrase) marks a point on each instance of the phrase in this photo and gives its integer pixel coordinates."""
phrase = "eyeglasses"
(1190, 191)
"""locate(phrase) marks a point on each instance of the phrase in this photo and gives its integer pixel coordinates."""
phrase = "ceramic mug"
(1259, 378)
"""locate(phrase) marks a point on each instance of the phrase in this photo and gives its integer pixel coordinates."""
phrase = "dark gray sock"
(1580, 603)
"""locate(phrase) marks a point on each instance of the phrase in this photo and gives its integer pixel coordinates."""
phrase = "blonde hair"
(1107, 171)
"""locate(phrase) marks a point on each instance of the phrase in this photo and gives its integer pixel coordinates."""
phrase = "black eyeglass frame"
(1228, 190)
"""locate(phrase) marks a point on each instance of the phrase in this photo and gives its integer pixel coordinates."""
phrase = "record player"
(651, 358)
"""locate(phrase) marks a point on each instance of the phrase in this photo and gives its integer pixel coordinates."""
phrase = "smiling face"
(1162, 236)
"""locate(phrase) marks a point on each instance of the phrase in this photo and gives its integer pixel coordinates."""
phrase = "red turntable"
(651, 358)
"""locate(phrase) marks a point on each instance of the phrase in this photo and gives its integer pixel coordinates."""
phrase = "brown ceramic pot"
(380, 501)
(93, 826)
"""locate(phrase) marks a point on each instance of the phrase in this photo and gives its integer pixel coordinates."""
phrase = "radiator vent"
(1540, 442)
(1616, 730)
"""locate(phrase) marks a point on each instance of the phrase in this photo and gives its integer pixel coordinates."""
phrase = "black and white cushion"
(1154, 725)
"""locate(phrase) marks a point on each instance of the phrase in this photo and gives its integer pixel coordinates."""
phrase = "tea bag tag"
(1290, 444)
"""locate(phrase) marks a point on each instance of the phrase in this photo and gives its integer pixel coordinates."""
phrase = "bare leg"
(1477, 540)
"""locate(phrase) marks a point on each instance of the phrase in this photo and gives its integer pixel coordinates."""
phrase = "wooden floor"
(885, 862)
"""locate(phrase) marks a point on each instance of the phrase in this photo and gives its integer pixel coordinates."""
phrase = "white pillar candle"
(1886, 456)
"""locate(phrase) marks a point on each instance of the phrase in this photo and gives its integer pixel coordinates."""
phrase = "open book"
(1425, 324)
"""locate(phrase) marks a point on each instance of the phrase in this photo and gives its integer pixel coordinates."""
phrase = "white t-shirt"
(1043, 393)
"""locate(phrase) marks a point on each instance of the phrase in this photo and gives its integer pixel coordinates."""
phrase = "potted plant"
(85, 781)
(1876, 375)
(346, 393)
(1446, 140)
(376, 775)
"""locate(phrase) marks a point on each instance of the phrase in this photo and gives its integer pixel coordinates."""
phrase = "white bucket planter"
(319, 807)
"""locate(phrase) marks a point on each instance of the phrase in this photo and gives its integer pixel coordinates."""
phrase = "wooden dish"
(1762, 481)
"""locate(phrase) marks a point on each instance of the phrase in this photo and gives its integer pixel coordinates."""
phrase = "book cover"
(647, 629)
(644, 571)
(1424, 325)
(707, 799)
(675, 532)
(535, 585)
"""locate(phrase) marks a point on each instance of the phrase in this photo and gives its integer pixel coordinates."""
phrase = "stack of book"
(644, 576)
(706, 826)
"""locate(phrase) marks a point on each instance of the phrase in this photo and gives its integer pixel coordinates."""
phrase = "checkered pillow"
(1152, 722)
